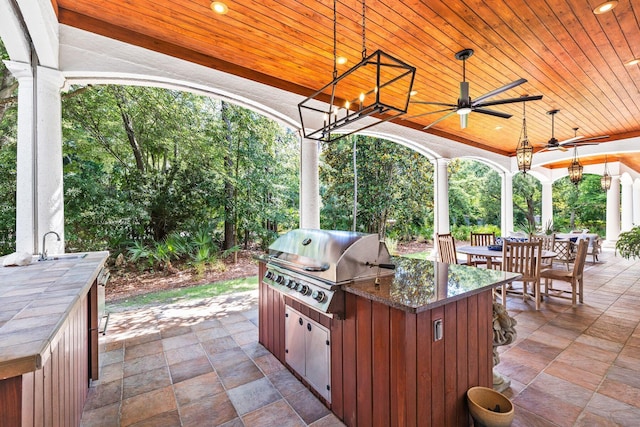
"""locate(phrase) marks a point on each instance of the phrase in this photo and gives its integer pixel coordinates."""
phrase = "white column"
(547, 203)
(506, 204)
(613, 210)
(441, 197)
(636, 202)
(309, 184)
(627, 203)
(39, 195)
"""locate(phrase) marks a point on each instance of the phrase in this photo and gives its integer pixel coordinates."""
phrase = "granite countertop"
(36, 299)
(420, 285)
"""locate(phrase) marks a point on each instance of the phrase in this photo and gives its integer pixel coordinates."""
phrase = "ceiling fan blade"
(442, 104)
(492, 113)
(570, 140)
(507, 101)
(580, 140)
(452, 109)
(440, 119)
(464, 118)
(500, 90)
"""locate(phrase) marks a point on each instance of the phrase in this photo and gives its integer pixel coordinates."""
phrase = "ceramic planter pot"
(489, 408)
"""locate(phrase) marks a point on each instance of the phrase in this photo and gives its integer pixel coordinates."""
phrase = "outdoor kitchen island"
(400, 352)
(48, 339)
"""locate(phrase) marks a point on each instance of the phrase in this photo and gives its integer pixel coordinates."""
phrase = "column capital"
(19, 70)
(51, 76)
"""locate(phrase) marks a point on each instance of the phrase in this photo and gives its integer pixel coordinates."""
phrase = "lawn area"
(208, 290)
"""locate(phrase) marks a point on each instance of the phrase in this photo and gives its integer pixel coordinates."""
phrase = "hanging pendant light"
(524, 150)
(575, 168)
(378, 88)
(605, 181)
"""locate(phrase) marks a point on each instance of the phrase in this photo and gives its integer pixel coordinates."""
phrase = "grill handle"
(387, 266)
(320, 267)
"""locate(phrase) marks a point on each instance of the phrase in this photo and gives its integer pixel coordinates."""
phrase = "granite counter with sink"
(48, 338)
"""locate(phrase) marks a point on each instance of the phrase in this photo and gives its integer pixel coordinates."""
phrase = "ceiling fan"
(554, 144)
(466, 105)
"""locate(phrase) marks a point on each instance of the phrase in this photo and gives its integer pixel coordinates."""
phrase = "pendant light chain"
(364, 28)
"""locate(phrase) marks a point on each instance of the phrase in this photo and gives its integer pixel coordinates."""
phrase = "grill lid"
(331, 255)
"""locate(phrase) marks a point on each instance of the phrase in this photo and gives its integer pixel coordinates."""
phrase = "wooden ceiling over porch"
(573, 57)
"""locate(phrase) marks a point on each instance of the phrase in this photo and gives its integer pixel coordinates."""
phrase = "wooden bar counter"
(408, 348)
(48, 339)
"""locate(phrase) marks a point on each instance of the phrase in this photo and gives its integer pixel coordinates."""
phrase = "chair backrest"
(522, 257)
(447, 248)
(548, 240)
(581, 256)
(483, 239)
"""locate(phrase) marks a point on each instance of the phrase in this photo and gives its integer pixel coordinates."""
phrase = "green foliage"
(394, 188)
(581, 206)
(628, 244)
(474, 194)
(463, 232)
(527, 200)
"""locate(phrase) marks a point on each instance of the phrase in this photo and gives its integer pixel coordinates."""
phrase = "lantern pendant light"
(575, 169)
(605, 181)
(524, 150)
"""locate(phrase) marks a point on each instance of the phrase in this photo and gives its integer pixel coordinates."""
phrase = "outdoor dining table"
(490, 254)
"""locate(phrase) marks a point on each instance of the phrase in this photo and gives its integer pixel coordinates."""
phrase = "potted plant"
(628, 244)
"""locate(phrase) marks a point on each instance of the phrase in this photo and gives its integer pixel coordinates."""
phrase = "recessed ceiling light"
(219, 7)
(413, 93)
(498, 127)
(341, 60)
(634, 61)
(605, 7)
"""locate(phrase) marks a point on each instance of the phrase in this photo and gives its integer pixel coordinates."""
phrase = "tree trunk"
(229, 187)
(128, 126)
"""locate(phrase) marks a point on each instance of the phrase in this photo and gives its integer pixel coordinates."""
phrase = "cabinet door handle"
(309, 327)
(300, 321)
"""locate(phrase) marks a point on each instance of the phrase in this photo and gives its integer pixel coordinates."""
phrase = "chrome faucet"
(43, 255)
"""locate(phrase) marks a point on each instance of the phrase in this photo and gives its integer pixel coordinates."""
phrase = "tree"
(395, 186)
(527, 197)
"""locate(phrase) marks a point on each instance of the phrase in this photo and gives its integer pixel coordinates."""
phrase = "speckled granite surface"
(34, 303)
(420, 285)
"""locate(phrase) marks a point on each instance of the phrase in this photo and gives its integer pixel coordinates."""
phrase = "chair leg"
(574, 289)
(504, 296)
(580, 287)
(536, 293)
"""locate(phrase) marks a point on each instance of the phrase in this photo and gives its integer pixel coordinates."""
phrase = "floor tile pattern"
(199, 363)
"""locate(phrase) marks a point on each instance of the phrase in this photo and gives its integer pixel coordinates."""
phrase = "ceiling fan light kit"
(378, 87)
(465, 105)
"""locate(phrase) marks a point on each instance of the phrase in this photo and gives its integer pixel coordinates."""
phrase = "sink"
(61, 257)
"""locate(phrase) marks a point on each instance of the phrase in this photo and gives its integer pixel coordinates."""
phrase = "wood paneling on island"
(386, 368)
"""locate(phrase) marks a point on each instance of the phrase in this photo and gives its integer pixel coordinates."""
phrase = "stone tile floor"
(199, 363)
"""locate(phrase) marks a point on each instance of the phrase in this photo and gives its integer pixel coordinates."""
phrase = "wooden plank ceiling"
(573, 57)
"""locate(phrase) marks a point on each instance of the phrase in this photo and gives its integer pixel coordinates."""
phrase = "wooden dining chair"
(574, 277)
(548, 244)
(523, 258)
(446, 245)
(482, 239)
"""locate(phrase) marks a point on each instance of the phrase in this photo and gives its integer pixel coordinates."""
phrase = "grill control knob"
(270, 275)
(291, 284)
(318, 296)
(304, 289)
(280, 279)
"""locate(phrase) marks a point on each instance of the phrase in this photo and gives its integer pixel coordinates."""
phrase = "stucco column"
(613, 210)
(39, 195)
(547, 203)
(506, 204)
(441, 197)
(309, 184)
(636, 202)
(627, 203)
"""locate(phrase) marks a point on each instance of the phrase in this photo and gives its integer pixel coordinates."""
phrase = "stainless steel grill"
(311, 265)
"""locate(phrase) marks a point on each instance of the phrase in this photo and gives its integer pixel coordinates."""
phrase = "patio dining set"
(539, 259)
